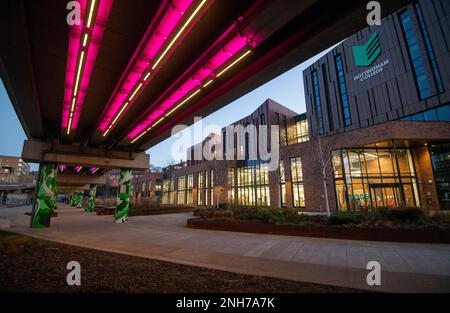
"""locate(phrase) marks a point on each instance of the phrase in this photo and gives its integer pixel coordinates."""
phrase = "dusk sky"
(286, 89)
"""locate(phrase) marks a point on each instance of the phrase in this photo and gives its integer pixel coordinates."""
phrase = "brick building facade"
(376, 129)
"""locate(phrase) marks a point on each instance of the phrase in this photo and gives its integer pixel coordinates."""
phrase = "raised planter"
(336, 232)
(158, 211)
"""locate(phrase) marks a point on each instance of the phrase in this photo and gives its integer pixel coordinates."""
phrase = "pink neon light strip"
(145, 57)
(201, 76)
(76, 36)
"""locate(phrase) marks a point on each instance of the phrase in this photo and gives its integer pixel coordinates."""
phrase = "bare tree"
(324, 162)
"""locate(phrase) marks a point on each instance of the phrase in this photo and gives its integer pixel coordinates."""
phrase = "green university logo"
(366, 54)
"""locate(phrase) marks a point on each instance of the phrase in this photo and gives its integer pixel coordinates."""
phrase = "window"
(190, 187)
(231, 185)
(369, 178)
(302, 130)
(440, 159)
(430, 52)
(158, 185)
(200, 189)
(343, 90)
(282, 184)
(143, 187)
(149, 187)
(263, 119)
(224, 142)
(211, 191)
(317, 104)
(440, 114)
(284, 134)
(253, 184)
(298, 192)
(207, 186)
(414, 55)
(327, 96)
(167, 192)
(181, 190)
(280, 129)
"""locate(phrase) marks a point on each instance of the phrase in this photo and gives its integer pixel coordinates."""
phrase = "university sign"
(371, 71)
(366, 54)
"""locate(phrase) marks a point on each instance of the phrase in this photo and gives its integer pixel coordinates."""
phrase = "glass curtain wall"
(200, 189)
(370, 178)
(253, 185)
(440, 159)
(181, 190)
(231, 186)
(167, 192)
(189, 188)
(282, 184)
(298, 191)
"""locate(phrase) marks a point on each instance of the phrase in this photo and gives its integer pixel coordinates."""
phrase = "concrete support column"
(123, 196)
(45, 200)
(91, 199)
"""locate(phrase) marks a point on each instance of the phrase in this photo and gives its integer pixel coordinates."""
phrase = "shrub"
(272, 216)
(268, 215)
(406, 215)
(222, 213)
(341, 218)
(441, 218)
(244, 213)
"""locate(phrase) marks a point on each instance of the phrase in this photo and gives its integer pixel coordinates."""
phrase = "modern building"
(376, 132)
(13, 170)
(381, 99)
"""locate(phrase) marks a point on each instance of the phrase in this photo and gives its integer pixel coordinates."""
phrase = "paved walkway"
(405, 267)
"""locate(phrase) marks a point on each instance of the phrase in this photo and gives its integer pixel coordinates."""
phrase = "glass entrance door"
(388, 195)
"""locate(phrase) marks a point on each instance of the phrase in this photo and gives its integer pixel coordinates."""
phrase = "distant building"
(13, 170)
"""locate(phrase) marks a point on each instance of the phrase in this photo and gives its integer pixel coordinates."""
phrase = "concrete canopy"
(34, 52)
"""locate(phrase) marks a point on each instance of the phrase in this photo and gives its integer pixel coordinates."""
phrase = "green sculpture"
(72, 200)
(79, 200)
(123, 197)
(45, 198)
(91, 200)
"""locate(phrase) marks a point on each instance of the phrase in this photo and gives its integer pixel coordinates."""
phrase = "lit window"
(298, 192)
(181, 191)
(302, 130)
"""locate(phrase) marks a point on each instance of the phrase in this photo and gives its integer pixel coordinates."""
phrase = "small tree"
(324, 161)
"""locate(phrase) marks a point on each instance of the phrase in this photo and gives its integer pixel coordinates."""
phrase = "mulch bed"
(34, 265)
(331, 231)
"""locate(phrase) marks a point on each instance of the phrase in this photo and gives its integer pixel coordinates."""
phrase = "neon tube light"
(91, 10)
(172, 103)
(163, 33)
(84, 43)
(233, 64)
(178, 34)
(183, 102)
